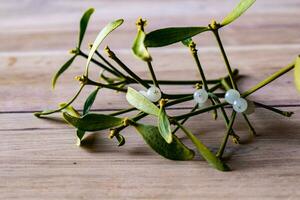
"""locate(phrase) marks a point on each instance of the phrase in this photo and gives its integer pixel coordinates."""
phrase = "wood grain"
(39, 158)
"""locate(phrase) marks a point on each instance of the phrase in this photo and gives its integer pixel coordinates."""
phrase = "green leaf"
(176, 150)
(140, 102)
(101, 36)
(80, 134)
(92, 121)
(164, 126)
(297, 73)
(83, 24)
(205, 152)
(237, 11)
(167, 36)
(138, 47)
(89, 101)
(62, 70)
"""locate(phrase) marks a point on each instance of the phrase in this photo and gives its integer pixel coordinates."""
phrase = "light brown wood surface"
(39, 158)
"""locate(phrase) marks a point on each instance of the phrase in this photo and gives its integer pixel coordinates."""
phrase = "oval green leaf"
(62, 70)
(204, 151)
(176, 150)
(92, 121)
(297, 73)
(164, 126)
(138, 47)
(167, 36)
(101, 36)
(237, 11)
(83, 24)
(89, 101)
(140, 102)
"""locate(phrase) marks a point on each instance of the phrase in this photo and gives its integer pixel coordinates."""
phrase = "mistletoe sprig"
(161, 136)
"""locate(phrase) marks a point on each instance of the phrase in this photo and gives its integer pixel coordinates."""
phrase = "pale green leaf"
(167, 36)
(237, 11)
(176, 150)
(164, 126)
(138, 47)
(205, 152)
(101, 36)
(140, 102)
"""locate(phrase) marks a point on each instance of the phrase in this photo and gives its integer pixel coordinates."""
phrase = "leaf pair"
(171, 35)
(140, 102)
(82, 29)
(101, 36)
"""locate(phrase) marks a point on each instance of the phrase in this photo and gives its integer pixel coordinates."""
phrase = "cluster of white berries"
(232, 96)
(153, 93)
(240, 105)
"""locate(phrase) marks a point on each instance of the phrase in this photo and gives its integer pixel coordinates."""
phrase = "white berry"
(240, 105)
(153, 94)
(200, 96)
(205, 104)
(143, 92)
(251, 108)
(231, 95)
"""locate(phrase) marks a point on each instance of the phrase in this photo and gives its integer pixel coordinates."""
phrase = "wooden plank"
(39, 159)
(29, 76)
(54, 25)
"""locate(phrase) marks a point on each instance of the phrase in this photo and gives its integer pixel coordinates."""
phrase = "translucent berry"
(205, 104)
(231, 95)
(143, 92)
(240, 105)
(154, 94)
(251, 108)
(200, 96)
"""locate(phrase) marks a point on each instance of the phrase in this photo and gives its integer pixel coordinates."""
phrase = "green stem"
(188, 82)
(90, 82)
(284, 113)
(99, 64)
(152, 74)
(48, 112)
(196, 58)
(197, 112)
(184, 120)
(216, 33)
(269, 79)
(119, 112)
(223, 145)
(111, 66)
(251, 128)
(224, 114)
(113, 56)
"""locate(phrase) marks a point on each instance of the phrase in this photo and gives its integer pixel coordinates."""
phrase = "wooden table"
(39, 158)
